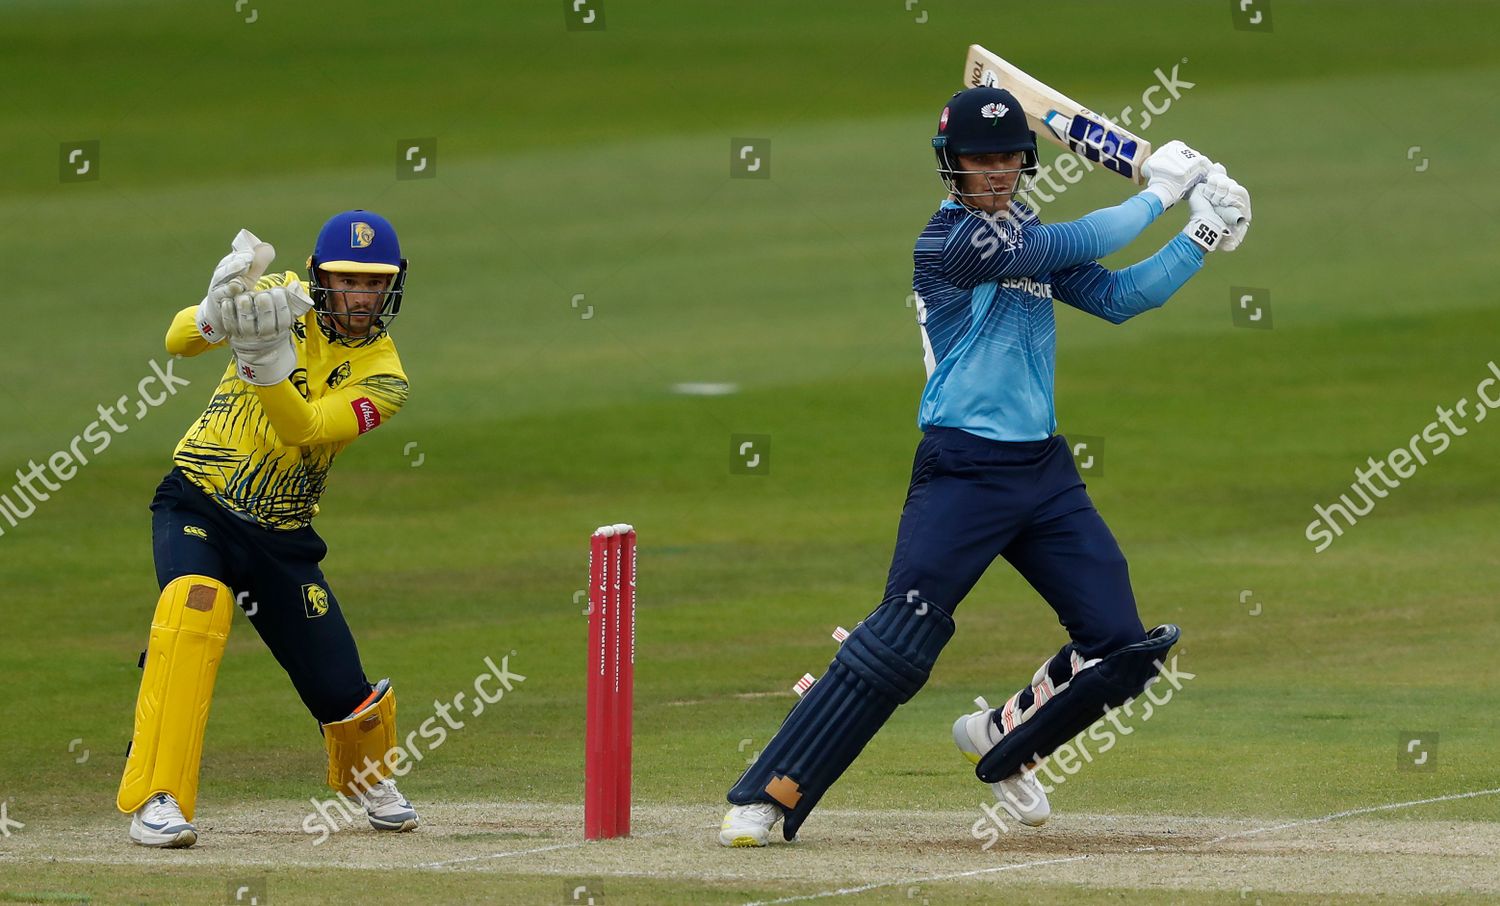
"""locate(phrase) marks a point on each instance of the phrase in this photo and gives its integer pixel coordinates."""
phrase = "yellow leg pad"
(357, 745)
(188, 634)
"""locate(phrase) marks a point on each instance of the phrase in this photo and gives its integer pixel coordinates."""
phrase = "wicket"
(611, 683)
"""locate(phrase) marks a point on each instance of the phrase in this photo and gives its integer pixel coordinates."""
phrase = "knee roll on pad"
(882, 664)
(1109, 683)
(357, 745)
(188, 634)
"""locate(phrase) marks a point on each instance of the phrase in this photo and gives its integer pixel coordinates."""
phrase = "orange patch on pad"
(201, 597)
(785, 790)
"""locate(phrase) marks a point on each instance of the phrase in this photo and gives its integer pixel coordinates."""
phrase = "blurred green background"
(582, 248)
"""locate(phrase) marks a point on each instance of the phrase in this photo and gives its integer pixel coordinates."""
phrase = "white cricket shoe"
(749, 825)
(160, 823)
(1020, 794)
(387, 809)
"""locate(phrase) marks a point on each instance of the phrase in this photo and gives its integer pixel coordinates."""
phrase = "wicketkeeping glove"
(261, 333)
(235, 274)
(1172, 171)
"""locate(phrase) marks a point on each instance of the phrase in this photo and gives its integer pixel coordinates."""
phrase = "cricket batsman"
(313, 368)
(991, 477)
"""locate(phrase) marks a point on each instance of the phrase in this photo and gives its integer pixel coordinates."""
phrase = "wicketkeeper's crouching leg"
(362, 755)
(882, 664)
(1067, 694)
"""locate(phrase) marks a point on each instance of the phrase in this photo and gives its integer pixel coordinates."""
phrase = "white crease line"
(539, 849)
(844, 891)
(1354, 811)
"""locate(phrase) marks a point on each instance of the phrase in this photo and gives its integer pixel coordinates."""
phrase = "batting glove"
(1231, 202)
(1172, 171)
(1205, 227)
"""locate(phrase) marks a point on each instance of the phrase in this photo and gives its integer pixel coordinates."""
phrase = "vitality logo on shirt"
(314, 601)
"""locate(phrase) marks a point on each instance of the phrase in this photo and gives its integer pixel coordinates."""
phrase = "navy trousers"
(277, 580)
(972, 499)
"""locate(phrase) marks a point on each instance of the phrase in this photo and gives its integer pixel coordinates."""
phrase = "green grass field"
(597, 163)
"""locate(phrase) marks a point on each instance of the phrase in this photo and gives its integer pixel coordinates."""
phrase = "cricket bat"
(1060, 119)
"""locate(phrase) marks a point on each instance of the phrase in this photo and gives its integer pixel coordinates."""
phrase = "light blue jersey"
(984, 295)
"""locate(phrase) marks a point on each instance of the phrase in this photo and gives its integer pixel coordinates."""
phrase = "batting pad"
(188, 633)
(882, 664)
(1118, 676)
(357, 745)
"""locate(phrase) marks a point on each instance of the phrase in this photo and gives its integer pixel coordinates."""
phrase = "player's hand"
(1205, 227)
(1172, 171)
(235, 274)
(262, 334)
(1231, 202)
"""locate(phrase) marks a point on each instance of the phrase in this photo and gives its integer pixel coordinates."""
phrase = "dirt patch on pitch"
(839, 849)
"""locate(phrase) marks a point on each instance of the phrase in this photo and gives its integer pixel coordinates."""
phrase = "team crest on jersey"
(361, 234)
(315, 600)
(993, 111)
(339, 375)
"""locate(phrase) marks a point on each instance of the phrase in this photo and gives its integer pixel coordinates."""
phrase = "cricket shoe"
(386, 808)
(1020, 794)
(749, 825)
(160, 823)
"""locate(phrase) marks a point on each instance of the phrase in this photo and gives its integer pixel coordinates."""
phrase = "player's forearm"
(302, 424)
(1150, 283)
(183, 337)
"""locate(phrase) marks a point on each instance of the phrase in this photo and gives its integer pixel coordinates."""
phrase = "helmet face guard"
(949, 172)
(380, 320)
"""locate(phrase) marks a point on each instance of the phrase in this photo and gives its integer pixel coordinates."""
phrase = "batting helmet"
(982, 120)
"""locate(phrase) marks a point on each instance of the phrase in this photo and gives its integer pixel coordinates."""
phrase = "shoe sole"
(740, 842)
(179, 840)
(396, 827)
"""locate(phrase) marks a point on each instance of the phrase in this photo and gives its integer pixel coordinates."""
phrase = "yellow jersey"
(263, 453)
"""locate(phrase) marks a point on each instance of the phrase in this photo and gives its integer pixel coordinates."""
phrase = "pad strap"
(1073, 707)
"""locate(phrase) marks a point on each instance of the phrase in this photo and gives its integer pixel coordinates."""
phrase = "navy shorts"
(972, 499)
(276, 579)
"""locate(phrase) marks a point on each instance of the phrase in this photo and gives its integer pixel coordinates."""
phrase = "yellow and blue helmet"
(357, 242)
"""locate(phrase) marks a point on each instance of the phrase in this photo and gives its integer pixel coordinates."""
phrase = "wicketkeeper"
(313, 368)
(991, 478)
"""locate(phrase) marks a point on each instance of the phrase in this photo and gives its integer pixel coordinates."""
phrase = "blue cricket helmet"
(982, 120)
(357, 242)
